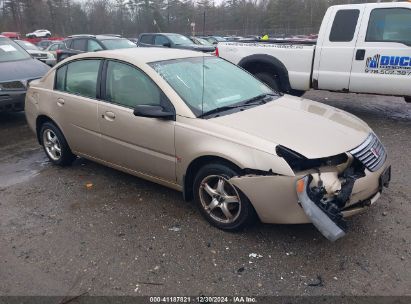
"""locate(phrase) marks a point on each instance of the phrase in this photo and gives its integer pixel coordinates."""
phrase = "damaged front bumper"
(277, 200)
(328, 222)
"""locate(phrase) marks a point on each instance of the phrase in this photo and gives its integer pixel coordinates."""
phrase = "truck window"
(345, 23)
(146, 39)
(390, 25)
(160, 40)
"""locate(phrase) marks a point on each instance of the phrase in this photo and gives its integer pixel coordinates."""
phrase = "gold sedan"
(205, 127)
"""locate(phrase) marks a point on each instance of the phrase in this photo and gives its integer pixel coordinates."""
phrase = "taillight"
(216, 52)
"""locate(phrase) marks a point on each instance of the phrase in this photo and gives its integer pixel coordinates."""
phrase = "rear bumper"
(12, 100)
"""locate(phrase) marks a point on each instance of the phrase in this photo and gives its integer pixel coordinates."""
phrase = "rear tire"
(55, 145)
(220, 202)
(407, 99)
(270, 80)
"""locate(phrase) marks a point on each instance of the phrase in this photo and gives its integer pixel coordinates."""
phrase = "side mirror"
(151, 111)
(167, 44)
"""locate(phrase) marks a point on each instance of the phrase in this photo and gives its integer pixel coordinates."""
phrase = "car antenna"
(202, 94)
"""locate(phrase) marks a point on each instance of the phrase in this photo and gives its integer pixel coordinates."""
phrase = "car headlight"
(298, 162)
(50, 56)
(12, 86)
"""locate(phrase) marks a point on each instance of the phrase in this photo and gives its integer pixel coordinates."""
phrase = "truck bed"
(296, 56)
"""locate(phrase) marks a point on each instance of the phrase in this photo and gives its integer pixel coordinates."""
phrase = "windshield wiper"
(257, 98)
(247, 103)
(220, 109)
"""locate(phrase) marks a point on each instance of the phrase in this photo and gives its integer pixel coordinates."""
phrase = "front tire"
(219, 201)
(407, 99)
(55, 145)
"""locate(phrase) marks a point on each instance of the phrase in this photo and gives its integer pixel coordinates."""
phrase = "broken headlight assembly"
(298, 162)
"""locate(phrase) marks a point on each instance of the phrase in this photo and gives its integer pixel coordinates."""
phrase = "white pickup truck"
(361, 48)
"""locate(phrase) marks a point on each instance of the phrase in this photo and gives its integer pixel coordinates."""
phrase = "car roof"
(139, 56)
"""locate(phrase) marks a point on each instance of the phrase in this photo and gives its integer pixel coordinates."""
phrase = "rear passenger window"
(390, 25)
(79, 44)
(61, 78)
(345, 23)
(79, 77)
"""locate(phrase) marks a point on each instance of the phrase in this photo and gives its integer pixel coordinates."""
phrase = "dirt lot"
(126, 236)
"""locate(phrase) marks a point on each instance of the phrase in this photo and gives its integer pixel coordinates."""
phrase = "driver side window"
(161, 40)
(129, 87)
(93, 46)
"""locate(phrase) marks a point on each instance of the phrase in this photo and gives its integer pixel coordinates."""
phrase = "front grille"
(371, 153)
(12, 85)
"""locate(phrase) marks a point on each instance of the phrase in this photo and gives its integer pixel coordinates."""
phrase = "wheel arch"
(40, 120)
(266, 63)
(196, 165)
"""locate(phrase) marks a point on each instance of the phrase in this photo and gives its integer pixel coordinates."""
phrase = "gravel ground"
(127, 236)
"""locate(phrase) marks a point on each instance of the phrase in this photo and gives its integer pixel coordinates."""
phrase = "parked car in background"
(43, 44)
(203, 126)
(39, 34)
(77, 44)
(55, 48)
(200, 41)
(215, 39)
(171, 40)
(134, 40)
(11, 35)
(36, 53)
(361, 48)
(17, 69)
(233, 38)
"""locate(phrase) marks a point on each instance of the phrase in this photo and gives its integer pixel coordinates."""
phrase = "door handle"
(109, 115)
(360, 55)
(60, 102)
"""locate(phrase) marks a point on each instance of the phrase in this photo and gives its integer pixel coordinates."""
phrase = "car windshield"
(27, 45)
(11, 51)
(114, 44)
(180, 40)
(207, 84)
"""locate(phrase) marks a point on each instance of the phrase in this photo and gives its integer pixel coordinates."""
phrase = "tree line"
(131, 17)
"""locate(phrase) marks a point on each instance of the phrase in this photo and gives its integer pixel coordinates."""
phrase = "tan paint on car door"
(145, 145)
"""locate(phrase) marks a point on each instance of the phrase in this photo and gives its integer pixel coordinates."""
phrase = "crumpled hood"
(310, 128)
(22, 70)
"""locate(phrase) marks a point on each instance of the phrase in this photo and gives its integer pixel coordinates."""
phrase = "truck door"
(382, 62)
(335, 48)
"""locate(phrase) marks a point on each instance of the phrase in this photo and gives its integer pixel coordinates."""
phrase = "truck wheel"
(270, 80)
(407, 99)
(297, 93)
(220, 202)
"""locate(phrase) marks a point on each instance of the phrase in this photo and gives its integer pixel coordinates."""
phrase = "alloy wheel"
(220, 199)
(52, 144)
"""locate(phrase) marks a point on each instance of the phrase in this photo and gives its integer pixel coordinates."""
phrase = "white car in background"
(44, 56)
(39, 34)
